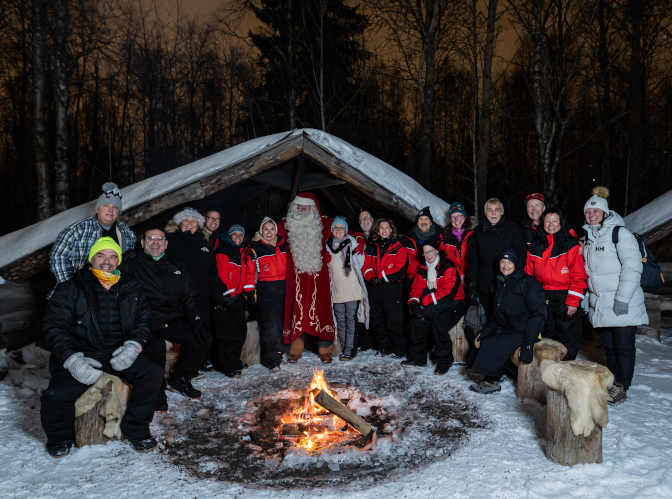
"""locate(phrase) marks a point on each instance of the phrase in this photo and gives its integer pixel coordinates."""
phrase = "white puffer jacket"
(613, 272)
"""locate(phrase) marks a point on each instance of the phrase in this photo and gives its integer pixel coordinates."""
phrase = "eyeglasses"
(213, 218)
(339, 228)
(366, 217)
(428, 253)
(155, 238)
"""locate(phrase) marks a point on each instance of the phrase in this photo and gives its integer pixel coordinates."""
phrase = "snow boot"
(486, 387)
(232, 372)
(275, 369)
(412, 363)
(325, 358)
(617, 394)
(59, 449)
(473, 375)
(144, 445)
(293, 359)
(344, 358)
(183, 386)
(162, 400)
(207, 367)
(441, 371)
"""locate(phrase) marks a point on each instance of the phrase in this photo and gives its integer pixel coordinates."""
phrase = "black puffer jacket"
(167, 287)
(520, 307)
(486, 243)
(71, 322)
(195, 254)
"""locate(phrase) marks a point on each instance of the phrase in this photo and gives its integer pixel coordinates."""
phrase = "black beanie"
(424, 213)
(509, 255)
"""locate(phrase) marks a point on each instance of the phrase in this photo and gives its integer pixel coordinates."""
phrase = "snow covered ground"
(504, 460)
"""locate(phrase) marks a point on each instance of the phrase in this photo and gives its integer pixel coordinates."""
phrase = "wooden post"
(563, 447)
(460, 344)
(173, 351)
(251, 353)
(529, 384)
(90, 425)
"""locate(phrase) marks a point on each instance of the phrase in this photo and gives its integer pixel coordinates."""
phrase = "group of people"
(310, 279)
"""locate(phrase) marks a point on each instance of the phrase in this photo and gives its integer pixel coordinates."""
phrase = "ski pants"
(619, 349)
(387, 317)
(271, 301)
(439, 327)
(195, 351)
(58, 401)
(231, 333)
(560, 326)
(495, 353)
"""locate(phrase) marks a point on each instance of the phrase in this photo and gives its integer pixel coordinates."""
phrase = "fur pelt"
(304, 235)
(585, 386)
(544, 349)
(172, 227)
(601, 191)
(114, 406)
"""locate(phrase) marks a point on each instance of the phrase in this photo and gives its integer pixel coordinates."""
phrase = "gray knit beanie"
(189, 213)
(237, 228)
(111, 195)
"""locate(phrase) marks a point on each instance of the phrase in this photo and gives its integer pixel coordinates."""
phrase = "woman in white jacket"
(615, 300)
(348, 291)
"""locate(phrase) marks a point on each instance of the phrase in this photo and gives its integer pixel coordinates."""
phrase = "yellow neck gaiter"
(106, 279)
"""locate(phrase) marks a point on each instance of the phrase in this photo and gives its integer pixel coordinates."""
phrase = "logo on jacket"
(565, 270)
(267, 267)
(205, 249)
(601, 248)
(390, 266)
(178, 272)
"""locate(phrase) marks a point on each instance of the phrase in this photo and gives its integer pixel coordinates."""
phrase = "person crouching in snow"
(519, 313)
(98, 322)
(437, 303)
(348, 291)
(237, 271)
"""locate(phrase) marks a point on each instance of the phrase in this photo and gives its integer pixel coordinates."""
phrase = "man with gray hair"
(494, 235)
(71, 249)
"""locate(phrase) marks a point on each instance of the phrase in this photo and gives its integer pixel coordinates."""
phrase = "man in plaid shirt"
(71, 249)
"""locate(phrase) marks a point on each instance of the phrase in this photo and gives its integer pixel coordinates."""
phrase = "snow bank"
(651, 215)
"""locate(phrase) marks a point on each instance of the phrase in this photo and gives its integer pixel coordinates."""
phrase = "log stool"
(576, 410)
(460, 344)
(529, 384)
(98, 412)
(251, 353)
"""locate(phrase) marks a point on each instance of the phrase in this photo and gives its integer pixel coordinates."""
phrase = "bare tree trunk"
(291, 78)
(322, 11)
(475, 134)
(607, 108)
(63, 201)
(39, 124)
(427, 97)
(634, 129)
(485, 135)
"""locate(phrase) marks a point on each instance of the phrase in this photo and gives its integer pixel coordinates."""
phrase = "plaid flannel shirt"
(71, 249)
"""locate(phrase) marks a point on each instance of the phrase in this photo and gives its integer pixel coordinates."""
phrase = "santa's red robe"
(308, 302)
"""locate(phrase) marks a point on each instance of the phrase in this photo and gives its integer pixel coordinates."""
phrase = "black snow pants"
(271, 301)
(387, 317)
(58, 401)
(195, 351)
(495, 353)
(418, 330)
(231, 332)
(560, 326)
(619, 349)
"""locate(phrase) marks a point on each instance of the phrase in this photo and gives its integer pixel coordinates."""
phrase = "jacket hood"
(171, 227)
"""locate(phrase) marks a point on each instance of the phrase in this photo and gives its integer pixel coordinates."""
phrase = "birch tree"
(62, 170)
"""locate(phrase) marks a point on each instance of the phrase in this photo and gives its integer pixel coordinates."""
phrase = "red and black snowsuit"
(386, 260)
(237, 271)
(554, 260)
(456, 249)
(441, 308)
(271, 265)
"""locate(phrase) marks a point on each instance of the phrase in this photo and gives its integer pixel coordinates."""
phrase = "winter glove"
(83, 369)
(473, 295)
(526, 353)
(620, 308)
(200, 330)
(130, 254)
(249, 296)
(124, 356)
(416, 310)
(361, 246)
(228, 301)
(374, 281)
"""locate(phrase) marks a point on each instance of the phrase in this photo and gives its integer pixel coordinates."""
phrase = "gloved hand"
(374, 281)
(130, 254)
(200, 331)
(473, 295)
(526, 353)
(416, 310)
(483, 333)
(620, 308)
(228, 301)
(249, 296)
(83, 369)
(124, 356)
(360, 246)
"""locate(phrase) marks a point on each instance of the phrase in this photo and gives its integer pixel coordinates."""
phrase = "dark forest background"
(100, 90)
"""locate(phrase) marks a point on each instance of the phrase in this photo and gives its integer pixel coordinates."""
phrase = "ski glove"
(124, 356)
(526, 353)
(228, 301)
(473, 295)
(83, 369)
(360, 246)
(249, 296)
(200, 330)
(416, 310)
(620, 308)
(374, 281)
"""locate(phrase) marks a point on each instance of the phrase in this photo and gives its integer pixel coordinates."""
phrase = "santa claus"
(308, 300)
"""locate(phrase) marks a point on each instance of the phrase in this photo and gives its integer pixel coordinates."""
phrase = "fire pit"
(323, 433)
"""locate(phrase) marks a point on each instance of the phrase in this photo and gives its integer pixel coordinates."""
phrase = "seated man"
(175, 312)
(519, 314)
(437, 303)
(97, 322)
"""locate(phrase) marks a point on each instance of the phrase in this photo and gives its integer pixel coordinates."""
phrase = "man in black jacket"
(98, 322)
(492, 237)
(175, 314)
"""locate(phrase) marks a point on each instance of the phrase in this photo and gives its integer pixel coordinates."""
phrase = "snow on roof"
(651, 215)
(25, 241)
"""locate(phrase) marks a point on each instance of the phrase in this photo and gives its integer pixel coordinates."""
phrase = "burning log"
(302, 429)
(332, 405)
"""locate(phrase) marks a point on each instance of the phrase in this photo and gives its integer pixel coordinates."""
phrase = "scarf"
(337, 246)
(157, 258)
(106, 279)
(422, 236)
(431, 273)
(458, 233)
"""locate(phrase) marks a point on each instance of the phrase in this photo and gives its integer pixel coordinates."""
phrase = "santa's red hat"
(305, 199)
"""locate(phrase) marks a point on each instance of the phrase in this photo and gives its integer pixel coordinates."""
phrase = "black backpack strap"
(614, 234)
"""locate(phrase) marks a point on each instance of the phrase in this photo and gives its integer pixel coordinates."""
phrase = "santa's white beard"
(304, 234)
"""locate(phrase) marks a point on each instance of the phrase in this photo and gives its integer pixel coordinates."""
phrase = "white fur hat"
(598, 200)
(264, 222)
(189, 213)
(303, 201)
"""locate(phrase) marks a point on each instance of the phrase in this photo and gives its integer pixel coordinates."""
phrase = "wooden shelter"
(244, 183)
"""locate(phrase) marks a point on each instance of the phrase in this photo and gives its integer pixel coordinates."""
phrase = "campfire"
(322, 421)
